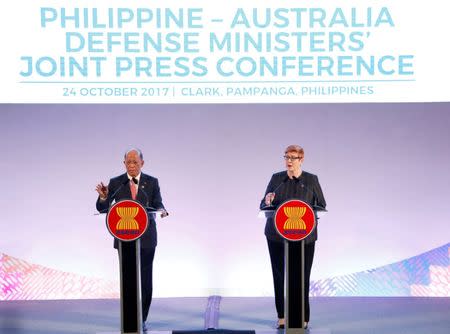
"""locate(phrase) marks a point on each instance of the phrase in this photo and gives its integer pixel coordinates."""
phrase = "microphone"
(118, 189)
(315, 206)
(113, 196)
(148, 199)
(275, 191)
(145, 194)
(281, 184)
(302, 185)
(135, 181)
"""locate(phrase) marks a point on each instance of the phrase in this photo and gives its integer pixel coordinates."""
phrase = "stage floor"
(338, 315)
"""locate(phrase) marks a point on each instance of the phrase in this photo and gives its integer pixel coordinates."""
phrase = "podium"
(127, 221)
(294, 220)
(130, 287)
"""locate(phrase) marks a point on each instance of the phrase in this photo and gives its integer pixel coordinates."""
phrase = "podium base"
(297, 331)
(147, 332)
(274, 331)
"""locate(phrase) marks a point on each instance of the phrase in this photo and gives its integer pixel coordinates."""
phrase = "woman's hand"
(269, 198)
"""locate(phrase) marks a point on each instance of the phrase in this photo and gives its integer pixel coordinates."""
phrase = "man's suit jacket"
(148, 195)
(306, 188)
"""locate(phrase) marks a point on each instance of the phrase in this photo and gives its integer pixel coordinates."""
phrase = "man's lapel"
(143, 187)
(125, 192)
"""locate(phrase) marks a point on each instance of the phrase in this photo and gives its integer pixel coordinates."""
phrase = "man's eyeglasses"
(289, 158)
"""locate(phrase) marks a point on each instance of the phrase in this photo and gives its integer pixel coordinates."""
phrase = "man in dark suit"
(144, 189)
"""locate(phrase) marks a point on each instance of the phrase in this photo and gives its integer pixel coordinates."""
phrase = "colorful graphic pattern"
(20, 280)
(425, 275)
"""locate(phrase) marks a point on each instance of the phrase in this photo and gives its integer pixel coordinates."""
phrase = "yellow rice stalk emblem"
(294, 221)
(127, 221)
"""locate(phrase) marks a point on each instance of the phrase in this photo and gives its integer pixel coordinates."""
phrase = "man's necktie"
(133, 184)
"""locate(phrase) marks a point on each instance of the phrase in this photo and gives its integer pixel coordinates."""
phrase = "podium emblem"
(127, 220)
(294, 220)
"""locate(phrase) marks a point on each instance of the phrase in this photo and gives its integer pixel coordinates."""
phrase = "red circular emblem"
(127, 220)
(294, 220)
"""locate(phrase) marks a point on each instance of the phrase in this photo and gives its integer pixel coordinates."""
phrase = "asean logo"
(294, 220)
(127, 220)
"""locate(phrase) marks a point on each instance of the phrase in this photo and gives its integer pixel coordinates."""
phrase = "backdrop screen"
(383, 169)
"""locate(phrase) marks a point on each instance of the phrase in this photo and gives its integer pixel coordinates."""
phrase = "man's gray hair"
(136, 150)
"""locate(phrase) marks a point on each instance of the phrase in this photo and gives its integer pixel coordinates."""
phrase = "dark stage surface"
(340, 315)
